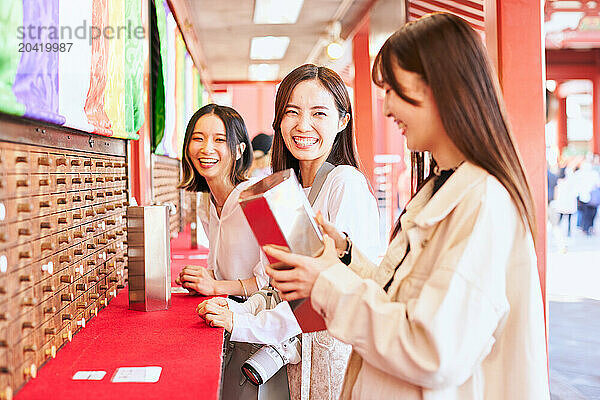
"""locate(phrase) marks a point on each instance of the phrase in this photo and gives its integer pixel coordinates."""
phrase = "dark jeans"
(588, 214)
(560, 217)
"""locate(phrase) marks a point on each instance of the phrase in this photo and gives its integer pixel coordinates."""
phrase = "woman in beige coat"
(454, 311)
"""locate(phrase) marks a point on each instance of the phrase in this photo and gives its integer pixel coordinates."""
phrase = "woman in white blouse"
(454, 310)
(216, 158)
(313, 124)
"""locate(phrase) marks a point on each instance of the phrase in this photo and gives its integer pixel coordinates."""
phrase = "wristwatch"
(346, 255)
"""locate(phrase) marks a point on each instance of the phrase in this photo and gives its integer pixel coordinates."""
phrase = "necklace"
(214, 201)
(437, 171)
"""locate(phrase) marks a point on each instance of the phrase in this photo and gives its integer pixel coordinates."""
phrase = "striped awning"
(470, 10)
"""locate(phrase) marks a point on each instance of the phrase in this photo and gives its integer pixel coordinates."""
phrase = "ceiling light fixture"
(277, 11)
(269, 47)
(335, 48)
(263, 72)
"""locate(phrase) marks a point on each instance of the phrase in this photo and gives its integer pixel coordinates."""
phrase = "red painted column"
(596, 111)
(561, 124)
(363, 99)
(514, 39)
(140, 181)
(139, 167)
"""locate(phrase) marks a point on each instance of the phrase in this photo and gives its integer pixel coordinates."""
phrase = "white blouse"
(233, 250)
(346, 201)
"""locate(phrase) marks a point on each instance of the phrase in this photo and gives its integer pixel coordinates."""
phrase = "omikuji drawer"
(62, 245)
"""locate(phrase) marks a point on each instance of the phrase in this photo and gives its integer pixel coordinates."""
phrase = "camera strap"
(315, 189)
(271, 296)
(320, 178)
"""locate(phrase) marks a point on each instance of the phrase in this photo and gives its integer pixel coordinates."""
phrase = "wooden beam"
(570, 71)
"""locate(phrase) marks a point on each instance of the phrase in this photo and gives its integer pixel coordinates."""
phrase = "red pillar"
(514, 39)
(140, 181)
(561, 124)
(363, 99)
(596, 105)
(139, 167)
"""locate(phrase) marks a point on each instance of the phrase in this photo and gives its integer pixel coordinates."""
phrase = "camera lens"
(263, 364)
(251, 374)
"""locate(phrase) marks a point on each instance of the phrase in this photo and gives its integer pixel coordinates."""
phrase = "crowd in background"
(574, 194)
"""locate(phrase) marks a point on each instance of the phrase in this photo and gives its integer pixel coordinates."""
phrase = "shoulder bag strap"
(322, 173)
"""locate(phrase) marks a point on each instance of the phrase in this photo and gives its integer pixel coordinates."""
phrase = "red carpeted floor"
(177, 340)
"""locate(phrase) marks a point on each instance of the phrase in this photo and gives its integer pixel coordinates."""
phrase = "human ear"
(240, 150)
(344, 122)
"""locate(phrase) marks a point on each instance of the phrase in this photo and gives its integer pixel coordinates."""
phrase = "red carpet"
(177, 340)
(182, 255)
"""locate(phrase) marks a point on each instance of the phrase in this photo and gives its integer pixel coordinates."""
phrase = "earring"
(239, 152)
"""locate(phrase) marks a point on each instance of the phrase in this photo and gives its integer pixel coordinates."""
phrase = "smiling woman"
(454, 309)
(208, 149)
(312, 124)
(216, 158)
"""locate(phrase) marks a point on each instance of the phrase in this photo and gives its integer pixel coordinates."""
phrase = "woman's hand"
(198, 279)
(216, 313)
(297, 282)
(329, 230)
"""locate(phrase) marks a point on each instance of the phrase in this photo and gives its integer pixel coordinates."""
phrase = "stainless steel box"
(278, 212)
(149, 258)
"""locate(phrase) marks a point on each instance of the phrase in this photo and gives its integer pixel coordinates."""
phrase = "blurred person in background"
(261, 146)
(565, 198)
(586, 180)
(552, 180)
(592, 207)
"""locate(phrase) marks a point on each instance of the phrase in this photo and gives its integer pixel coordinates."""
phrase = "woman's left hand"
(198, 279)
(216, 313)
(297, 282)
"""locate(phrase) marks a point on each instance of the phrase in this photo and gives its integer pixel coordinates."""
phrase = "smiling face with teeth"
(208, 150)
(310, 123)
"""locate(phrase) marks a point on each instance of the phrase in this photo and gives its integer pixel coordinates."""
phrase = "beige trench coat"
(463, 317)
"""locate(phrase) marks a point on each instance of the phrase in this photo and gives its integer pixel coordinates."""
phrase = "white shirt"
(346, 201)
(233, 251)
(586, 180)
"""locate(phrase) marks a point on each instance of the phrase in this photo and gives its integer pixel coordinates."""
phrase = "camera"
(269, 359)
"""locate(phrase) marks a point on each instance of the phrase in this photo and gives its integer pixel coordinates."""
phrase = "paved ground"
(574, 295)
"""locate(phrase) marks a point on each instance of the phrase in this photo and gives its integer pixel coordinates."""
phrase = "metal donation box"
(279, 213)
(149, 255)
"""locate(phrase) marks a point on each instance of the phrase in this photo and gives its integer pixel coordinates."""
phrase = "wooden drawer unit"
(63, 249)
(165, 178)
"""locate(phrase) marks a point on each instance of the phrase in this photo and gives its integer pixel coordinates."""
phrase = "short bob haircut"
(450, 58)
(235, 130)
(343, 151)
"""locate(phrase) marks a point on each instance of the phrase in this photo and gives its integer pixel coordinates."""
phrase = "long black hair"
(450, 58)
(236, 132)
(343, 151)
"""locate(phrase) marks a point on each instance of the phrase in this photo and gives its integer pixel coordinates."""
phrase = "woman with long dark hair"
(217, 156)
(454, 310)
(313, 134)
